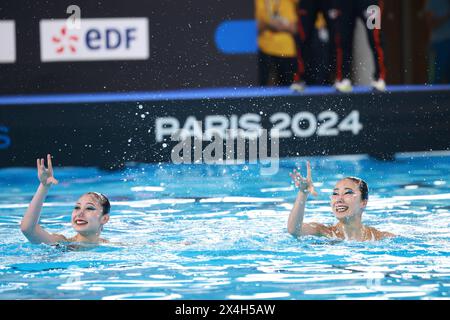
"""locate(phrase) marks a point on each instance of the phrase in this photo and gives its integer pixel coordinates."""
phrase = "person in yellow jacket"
(277, 54)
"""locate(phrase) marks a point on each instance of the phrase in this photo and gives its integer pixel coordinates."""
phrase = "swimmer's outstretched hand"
(305, 185)
(45, 175)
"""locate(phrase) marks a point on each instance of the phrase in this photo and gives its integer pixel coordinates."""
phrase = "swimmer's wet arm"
(296, 227)
(30, 222)
(295, 220)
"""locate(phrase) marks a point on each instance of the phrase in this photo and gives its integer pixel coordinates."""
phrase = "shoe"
(297, 86)
(379, 85)
(345, 85)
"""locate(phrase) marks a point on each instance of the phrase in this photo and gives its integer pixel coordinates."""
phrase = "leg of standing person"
(264, 63)
(286, 69)
(344, 17)
(375, 37)
(326, 6)
(306, 15)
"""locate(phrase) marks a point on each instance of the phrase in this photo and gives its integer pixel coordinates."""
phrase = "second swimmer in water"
(90, 214)
(348, 201)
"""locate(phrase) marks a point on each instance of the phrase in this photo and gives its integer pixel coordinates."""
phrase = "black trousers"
(348, 12)
(307, 11)
(282, 69)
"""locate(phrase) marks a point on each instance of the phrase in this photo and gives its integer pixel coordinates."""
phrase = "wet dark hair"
(362, 185)
(104, 202)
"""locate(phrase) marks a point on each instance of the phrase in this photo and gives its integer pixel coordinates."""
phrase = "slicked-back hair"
(103, 200)
(362, 185)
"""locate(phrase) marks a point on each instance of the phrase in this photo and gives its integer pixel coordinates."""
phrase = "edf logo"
(110, 38)
(96, 39)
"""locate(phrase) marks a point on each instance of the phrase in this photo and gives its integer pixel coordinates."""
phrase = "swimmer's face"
(87, 216)
(346, 199)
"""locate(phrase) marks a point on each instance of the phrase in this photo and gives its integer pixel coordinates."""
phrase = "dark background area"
(182, 49)
(183, 53)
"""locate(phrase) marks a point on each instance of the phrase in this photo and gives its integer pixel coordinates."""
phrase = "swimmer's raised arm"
(30, 222)
(295, 226)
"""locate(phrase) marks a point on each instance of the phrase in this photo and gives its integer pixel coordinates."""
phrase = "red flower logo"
(65, 40)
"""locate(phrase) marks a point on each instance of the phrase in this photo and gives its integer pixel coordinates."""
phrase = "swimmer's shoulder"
(59, 238)
(334, 232)
(375, 234)
(324, 230)
(386, 234)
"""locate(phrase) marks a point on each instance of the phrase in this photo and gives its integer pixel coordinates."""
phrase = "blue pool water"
(219, 232)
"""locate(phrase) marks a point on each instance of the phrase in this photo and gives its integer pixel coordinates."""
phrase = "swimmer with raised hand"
(348, 201)
(91, 212)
